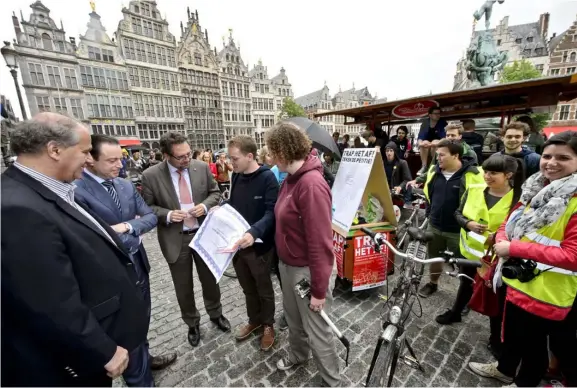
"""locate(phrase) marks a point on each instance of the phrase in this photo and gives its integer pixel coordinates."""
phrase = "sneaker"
(245, 331)
(267, 339)
(282, 323)
(448, 317)
(489, 370)
(428, 290)
(285, 364)
(466, 311)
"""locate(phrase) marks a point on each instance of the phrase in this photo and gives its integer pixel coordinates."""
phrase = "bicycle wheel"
(385, 365)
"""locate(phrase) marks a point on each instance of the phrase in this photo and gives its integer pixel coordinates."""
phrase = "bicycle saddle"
(420, 235)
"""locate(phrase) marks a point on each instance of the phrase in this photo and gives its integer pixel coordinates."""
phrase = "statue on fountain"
(483, 58)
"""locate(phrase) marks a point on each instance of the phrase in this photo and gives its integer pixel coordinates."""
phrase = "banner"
(369, 266)
(339, 253)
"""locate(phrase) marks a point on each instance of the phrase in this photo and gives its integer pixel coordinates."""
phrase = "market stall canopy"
(539, 95)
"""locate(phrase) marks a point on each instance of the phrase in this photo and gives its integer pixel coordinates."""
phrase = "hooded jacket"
(254, 196)
(530, 159)
(469, 157)
(304, 235)
(398, 172)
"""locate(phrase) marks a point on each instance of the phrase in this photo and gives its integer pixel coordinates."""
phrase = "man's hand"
(502, 248)
(434, 143)
(197, 211)
(120, 228)
(397, 190)
(476, 227)
(407, 155)
(425, 144)
(117, 365)
(178, 215)
(246, 241)
(413, 184)
(317, 304)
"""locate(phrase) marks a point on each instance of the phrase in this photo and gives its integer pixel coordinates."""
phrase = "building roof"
(524, 31)
(311, 98)
(554, 42)
(96, 31)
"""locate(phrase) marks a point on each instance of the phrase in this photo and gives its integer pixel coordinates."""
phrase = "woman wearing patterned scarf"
(537, 246)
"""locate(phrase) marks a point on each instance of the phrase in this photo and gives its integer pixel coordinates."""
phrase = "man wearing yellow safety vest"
(446, 183)
(481, 213)
(537, 246)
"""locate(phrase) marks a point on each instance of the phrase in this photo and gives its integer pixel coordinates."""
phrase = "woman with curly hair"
(304, 245)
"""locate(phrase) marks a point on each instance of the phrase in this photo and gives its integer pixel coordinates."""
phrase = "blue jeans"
(138, 372)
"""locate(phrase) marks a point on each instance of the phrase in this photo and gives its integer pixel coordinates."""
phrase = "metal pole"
(20, 100)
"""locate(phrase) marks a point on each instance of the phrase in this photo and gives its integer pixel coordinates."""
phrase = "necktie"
(185, 197)
(112, 191)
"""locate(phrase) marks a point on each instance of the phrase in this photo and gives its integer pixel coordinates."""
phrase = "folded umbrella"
(320, 137)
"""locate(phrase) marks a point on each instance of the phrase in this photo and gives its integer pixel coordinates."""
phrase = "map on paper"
(350, 182)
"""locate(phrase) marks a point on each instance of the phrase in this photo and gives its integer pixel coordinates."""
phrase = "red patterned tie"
(183, 190)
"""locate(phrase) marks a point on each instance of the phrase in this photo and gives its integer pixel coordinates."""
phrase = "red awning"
(128, 142)
(554, 130)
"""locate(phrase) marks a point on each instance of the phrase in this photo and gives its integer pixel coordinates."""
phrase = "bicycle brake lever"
(462, 275)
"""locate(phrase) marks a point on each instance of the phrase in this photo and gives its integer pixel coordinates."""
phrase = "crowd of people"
(76, 302)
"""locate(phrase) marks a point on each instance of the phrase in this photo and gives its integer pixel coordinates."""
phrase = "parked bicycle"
(392, 342)
(413, 220)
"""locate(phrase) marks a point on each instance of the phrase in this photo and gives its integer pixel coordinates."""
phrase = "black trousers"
(496, 322)
(465, 289)
(253, 273)
(525, 339)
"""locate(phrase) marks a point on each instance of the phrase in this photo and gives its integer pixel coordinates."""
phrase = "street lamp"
(11, 57)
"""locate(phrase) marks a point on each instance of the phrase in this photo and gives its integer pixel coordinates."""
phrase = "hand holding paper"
(246, 241)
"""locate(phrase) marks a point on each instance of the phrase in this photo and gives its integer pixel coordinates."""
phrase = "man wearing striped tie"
(118, 203)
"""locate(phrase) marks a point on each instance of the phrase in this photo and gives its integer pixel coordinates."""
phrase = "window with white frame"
(60, 105)
(564, 112)
(70, 78)
(54, 76)
(77, 111)
(43, 104)
(36, 75)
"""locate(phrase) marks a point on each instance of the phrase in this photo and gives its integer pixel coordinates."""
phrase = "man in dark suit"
(181, 191)
(72, 309)
(118, 203)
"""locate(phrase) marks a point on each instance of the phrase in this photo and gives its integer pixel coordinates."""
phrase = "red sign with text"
(414, 109)
(339, 252)
(370, 269)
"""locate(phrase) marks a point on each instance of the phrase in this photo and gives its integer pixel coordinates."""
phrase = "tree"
(520, 71)
(291, 109)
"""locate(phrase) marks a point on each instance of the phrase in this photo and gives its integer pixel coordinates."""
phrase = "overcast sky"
(398, 48)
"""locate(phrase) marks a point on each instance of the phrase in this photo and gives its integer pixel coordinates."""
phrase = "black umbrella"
(320, 137)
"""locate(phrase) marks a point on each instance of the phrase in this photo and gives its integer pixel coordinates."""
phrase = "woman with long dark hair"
(537, 249)
(482, 211)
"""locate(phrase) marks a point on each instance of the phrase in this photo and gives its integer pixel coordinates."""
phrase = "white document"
(350, 182)
(190, 222)
(215, 238)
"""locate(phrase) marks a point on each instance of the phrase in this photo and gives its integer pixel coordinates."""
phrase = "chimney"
(544, 25)
(181, 29)
(73, 42)
(16, 24)
(196, 14)
(505, 22)
(188, 12)
(206, 35)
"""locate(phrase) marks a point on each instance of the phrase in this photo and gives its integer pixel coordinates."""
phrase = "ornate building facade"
(235, 91)
(268, 95)
(198, 71)
(149, 50)
(104, 77)
(48, 64)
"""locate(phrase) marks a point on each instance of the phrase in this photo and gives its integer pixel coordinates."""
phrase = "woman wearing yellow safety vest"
(482, 211)
(538, 246)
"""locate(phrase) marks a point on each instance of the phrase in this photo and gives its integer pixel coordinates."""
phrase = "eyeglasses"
(183, 157)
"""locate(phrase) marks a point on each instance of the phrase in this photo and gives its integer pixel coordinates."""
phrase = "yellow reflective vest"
(472, 180)
(555, 288)
(475, 209)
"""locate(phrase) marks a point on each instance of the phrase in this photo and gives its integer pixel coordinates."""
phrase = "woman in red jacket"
(537, 246)
(304, 245)
(208, 159)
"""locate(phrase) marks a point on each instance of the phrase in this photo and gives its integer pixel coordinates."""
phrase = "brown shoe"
(245, 331)
(267, 339)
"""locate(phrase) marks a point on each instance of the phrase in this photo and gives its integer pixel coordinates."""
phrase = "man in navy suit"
(118, 203)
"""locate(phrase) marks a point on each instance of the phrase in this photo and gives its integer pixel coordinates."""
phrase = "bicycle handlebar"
(379, 240)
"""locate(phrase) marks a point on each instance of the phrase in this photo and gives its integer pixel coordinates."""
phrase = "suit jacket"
(69, 294)
(95, 196)
(159, 193)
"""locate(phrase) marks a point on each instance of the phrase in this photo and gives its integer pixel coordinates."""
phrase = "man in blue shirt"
(432, 130)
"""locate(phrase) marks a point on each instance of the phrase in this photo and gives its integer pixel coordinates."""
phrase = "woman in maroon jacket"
(304, 245)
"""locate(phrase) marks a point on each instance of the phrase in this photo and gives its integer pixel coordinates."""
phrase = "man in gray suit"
(118, 203)
(181, 191)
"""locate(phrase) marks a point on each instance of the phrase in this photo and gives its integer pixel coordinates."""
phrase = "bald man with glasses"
(181, 191)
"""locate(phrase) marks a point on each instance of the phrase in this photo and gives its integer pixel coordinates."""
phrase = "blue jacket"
(530, 159)
(436, 133)
(93, 195)
(280, 176)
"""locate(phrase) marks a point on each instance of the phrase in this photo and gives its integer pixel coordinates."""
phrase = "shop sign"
(414, 110)
(370, 267)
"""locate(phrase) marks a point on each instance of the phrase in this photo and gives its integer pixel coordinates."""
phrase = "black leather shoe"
(222, 323)
(161, 362)
(194, 335)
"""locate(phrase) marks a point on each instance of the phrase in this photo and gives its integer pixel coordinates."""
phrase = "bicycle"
(392, 342)
(413, 220)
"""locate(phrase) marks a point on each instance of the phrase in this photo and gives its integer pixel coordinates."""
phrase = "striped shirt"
(64, 191)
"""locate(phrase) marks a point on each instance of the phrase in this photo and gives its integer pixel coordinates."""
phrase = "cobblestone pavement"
(221, 361)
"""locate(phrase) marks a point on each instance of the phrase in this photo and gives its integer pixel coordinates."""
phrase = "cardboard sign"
(361, 172)
(339, 253)
(370, 269)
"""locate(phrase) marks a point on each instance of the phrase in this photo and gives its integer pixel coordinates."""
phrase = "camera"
(522, 270)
